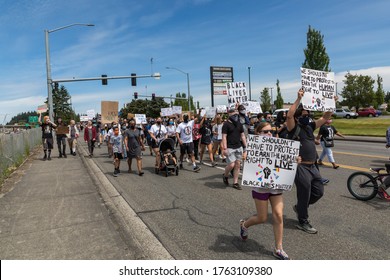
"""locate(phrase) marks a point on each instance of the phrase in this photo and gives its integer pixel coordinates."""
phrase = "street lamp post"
(48, 67)
(272, 99)
(188, 84)
(250, 87)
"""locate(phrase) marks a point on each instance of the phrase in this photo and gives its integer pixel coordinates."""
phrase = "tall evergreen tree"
(379, 94)
(279, 99)
(316, 57)
(62, 107)
(265, 100)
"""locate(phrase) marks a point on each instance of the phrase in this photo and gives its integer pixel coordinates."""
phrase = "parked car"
(345, 113)
(378, 112)
(275, 113)
(367, 112)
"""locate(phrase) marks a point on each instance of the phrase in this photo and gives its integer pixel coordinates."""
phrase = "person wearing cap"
(233, 147)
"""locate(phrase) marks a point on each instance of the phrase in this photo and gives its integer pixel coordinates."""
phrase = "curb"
(134, 231)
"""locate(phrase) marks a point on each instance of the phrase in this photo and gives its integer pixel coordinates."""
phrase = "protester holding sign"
(261, 197)
(157, 132)
(308, 178)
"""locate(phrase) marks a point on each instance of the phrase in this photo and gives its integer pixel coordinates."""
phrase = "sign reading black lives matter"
(271, 162)
(236, 92)
(320, 89)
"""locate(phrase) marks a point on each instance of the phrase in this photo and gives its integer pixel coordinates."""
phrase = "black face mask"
(158, 122)
(185, 119)
(234, 118)
(304, 120)
(132, 126)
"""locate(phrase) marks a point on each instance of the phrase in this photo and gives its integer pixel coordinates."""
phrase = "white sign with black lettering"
(140, 119)
(237, 92)
(253, 107)
(165, 112)
(271, 162)
(320, 90)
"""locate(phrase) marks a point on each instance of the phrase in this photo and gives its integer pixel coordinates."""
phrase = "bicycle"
(365, 186)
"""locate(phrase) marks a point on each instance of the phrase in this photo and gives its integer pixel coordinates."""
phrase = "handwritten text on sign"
(271, 162)
(320, 89)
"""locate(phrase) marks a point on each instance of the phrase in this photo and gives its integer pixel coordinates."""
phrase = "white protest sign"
(176, 110)
(140, 118)
(253, 107)
(210, 112)
(90, 114)
(202, 112)
(271, 162)
(221, 109)
(236, 92)
(42, 108)
(165, 112)
(84, 118)
(320, 89)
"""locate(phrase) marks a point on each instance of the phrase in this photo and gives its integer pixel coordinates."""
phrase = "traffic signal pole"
(155, 75)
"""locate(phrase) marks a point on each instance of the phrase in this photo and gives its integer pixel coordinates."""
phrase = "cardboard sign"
(109, 111)
(140, 119)
(237, 92)
(62, 129)
(271, 162)
(320, 90)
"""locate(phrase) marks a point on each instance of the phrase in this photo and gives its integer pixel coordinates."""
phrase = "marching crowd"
(223, 137)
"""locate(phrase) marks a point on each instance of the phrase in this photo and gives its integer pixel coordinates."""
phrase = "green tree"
(358, 91)
(279, 99)
(183, 102)
(265, 100)
(62, 108)
(151, 108)
(316, 57)
(22, 118)
(379, 94)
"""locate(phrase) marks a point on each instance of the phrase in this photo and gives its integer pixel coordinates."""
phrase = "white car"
(345, 113)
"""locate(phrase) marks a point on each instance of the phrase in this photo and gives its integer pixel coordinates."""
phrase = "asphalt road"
(195, 216)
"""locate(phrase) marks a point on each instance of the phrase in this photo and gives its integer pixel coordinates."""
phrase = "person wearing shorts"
(233, 146)
(184, 136)
(116, 140)
(261, 197)
(157, 132)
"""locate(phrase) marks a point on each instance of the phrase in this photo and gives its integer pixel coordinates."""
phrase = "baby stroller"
(168, 159)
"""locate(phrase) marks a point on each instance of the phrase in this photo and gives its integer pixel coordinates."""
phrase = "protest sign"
(165, 112)
(140, 119)
(271, 162)
(320, 90)
(90, 114)
(253, 107)
(109, 111)
(83, 118)
(176, 110)
(130, 116)
(221, 109)
(202, 112)
(42, 108)
(237, 92)
(210, 112)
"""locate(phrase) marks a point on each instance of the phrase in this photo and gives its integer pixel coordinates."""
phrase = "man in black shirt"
(47, 135)
(308, 178)
(234, 147)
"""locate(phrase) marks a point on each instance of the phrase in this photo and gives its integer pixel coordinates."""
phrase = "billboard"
(219, 76)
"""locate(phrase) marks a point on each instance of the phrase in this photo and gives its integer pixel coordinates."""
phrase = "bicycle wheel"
(362, 185)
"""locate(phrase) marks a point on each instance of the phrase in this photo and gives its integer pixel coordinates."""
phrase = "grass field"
(362, 126)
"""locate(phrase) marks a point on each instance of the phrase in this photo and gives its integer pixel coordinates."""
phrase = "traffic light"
(133, 79)
(135, 95)
(153, 96)
(104, 81)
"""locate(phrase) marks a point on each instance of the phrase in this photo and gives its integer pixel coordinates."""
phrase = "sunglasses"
(266, 131)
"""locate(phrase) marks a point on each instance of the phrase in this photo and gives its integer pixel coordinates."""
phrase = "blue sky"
(191, 35)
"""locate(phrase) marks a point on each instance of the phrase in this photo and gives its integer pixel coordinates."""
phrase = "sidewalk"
(52, 210)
